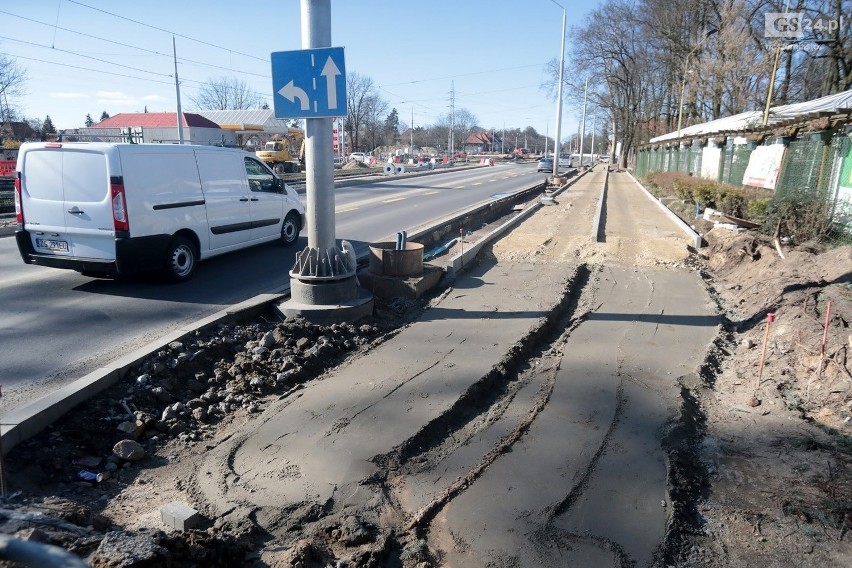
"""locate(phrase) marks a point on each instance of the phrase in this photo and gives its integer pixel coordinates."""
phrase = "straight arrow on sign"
(330, 72)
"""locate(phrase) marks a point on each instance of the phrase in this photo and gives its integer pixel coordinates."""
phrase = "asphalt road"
(56, 325)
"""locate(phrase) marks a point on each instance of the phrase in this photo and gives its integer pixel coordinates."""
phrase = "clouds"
(68, 96)
(111, 98)
(121, 101)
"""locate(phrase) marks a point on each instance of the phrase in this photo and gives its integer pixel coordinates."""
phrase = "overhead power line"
(85, 56)
(136, 47)
(176, 34)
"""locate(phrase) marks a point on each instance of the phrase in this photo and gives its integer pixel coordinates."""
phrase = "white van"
(115, 209)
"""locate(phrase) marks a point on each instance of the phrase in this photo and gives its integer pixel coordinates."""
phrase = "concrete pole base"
(327, 301)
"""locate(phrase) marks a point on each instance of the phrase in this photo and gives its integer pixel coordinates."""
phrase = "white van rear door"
(88, 205)
(44, 207)
(67, 209)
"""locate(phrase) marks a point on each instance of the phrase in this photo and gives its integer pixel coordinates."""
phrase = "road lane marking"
(346, 209)
(393, 200)
(432, 193)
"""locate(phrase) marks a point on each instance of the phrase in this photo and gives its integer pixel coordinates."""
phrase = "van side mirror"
(279, 185)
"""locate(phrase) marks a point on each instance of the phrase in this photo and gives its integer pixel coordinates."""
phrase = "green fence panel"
(642, 163)
(726, 162)
(695, 160)
(839, 191)
(739, 164)
(801, 168)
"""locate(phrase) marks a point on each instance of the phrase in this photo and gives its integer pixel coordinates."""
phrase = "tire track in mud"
(496, 390)
(549, 535)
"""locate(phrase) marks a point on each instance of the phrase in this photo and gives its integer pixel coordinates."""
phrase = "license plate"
(58, 246)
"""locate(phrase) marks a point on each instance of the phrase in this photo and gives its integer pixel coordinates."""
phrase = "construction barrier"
(7, 168)
(486, 162)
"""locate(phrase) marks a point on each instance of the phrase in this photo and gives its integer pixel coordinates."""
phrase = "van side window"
(259, 177)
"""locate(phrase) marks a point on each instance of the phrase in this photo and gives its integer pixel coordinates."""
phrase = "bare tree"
(13, 78)
(361, 97)
(226, 93)
(617, 65)
(464, 122)
(731, 69)
(375, 112)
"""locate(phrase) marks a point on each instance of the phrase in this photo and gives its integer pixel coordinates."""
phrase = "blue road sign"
(309, 83)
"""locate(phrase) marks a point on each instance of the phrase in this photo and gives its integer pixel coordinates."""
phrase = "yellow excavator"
(279, 152)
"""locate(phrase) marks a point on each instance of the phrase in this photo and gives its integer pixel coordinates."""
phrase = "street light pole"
(685, 71)
(594, 127)
(771, 90)
(559, 95)
(583, 127)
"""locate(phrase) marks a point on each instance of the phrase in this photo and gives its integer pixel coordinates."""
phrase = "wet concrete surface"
(587, 484)
(517, 422)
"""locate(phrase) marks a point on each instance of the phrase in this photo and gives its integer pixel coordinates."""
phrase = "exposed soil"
(761, 454)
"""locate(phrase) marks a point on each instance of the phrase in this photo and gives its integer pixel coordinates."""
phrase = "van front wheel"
(180, 260)
(289, 230)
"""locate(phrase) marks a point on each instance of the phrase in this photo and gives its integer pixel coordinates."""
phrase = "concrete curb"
(596, 228)
(697, 239)
(457, 263)
(26, 422)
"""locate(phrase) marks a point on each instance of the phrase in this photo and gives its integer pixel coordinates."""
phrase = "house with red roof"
(480, 142)
(156, 127)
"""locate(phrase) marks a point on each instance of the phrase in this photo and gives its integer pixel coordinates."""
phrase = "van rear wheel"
(181, 259)
(289, 230)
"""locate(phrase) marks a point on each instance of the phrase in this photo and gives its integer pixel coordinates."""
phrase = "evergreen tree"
(89, 122)
(47, 126)
(391, 127)
(104, 115)
(146, 109)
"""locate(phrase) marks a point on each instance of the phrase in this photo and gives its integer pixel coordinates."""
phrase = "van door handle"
(243, 198)
(75, 211)
(254, 199)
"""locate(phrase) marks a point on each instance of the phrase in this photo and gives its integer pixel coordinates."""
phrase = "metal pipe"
(319, 158)
(37, 555)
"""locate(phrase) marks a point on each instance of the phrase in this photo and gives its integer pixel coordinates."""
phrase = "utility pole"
(583, 127)
(559, 95)
(546, 137)
(594, 127)
(452, 117)
(177, 92)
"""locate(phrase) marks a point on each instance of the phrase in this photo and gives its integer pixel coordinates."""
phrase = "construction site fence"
(815, 171)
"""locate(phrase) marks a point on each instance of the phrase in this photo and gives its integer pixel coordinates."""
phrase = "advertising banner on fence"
(764, 165)
(710, 162)
(843, 201)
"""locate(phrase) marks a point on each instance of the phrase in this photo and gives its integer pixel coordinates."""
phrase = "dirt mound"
(354, 165)
(778, 449)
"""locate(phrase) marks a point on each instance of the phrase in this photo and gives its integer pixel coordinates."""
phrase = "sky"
(486, 56)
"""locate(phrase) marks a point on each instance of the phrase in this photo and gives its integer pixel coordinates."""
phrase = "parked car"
(358, 157)
(106, 209)
(545, 165)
